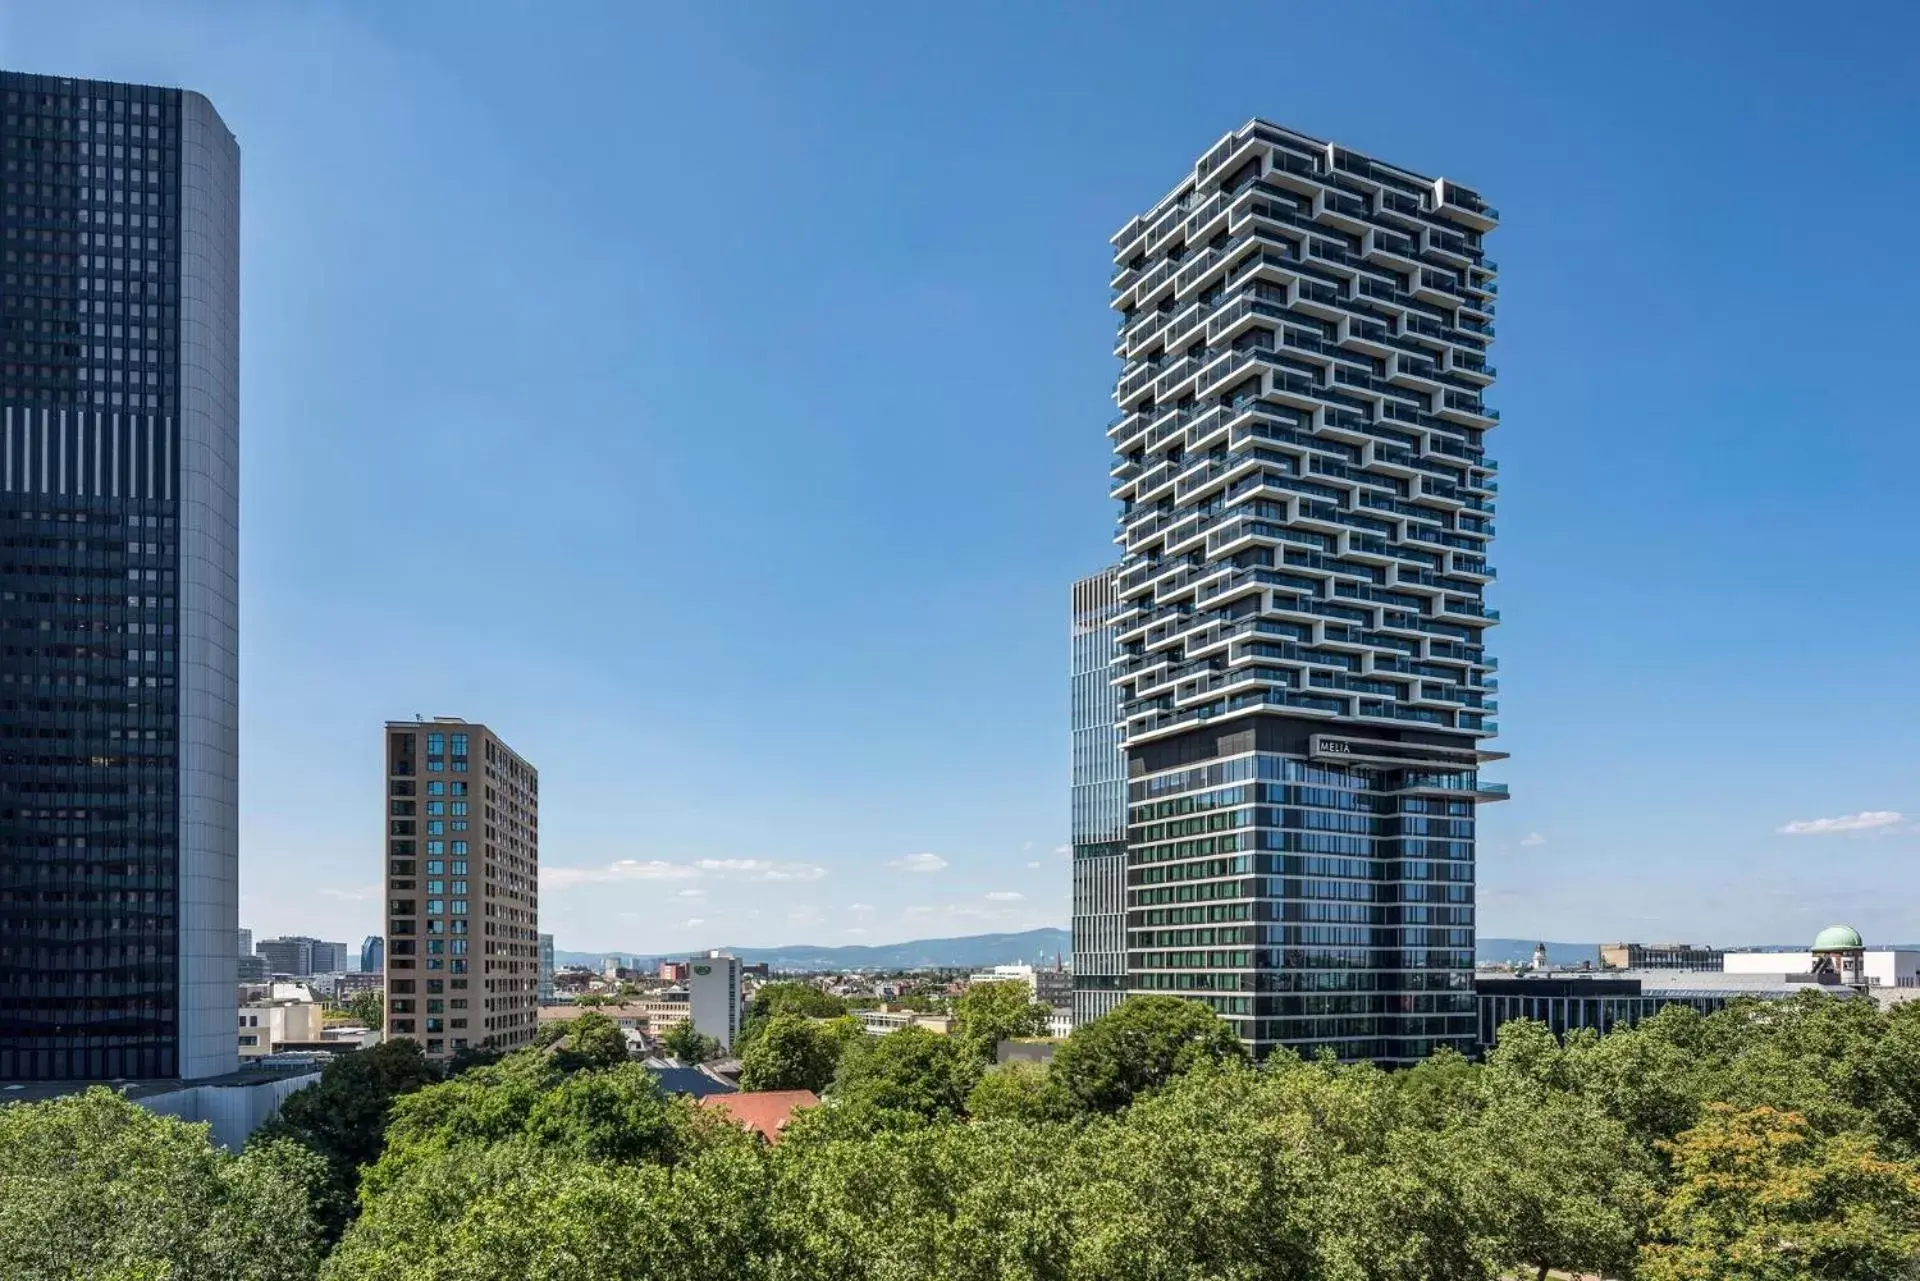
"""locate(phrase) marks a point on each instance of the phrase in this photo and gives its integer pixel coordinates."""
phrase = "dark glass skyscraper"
(1306, 507)
(1099, 820)
(119, 450)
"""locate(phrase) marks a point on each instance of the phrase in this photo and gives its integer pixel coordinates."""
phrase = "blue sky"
(761, 356)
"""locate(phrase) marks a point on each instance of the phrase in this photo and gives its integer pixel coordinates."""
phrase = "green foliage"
(1138, 1047)
(770, 1000)
(590, 1041)
(517, 1210)
(794, 1052)
(368, 1009)
(905, 1078)
(94, 1186)
(989, 1013)
(342, 1119)
(1019, 1092)
(1765, 1142)
(1760, 1196)
(684, 1043)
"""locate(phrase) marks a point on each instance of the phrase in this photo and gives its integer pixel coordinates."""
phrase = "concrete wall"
(233, 1111)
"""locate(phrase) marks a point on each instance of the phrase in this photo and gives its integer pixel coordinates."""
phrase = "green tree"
(794, 1052)
(94, 1186)
(617, 1115)
(771, 1000)
(518, 1210)
(989, 1013)
(1760, 1196)
(1019, 1092)
(1216, 1175)
(688, 1045)
(591, 1041)
(1144, 1043)
(342, 1119)
(958, 1202)
(368, 1009)
(905, 1078)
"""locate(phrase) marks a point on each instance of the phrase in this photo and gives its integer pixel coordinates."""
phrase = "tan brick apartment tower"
(463, 887)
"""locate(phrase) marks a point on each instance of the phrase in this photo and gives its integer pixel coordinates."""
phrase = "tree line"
(1771, 1140)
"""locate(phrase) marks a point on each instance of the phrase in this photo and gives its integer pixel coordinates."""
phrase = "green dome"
(1836, 938)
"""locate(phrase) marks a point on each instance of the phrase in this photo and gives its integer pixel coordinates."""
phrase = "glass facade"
(95, 981)
(1099, 799)
(1311, 905)
(1306, 505)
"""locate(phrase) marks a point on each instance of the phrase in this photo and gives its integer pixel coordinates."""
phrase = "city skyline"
(1683, 763)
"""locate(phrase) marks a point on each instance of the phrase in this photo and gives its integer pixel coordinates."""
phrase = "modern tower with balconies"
(1304, 689)
(119, 591)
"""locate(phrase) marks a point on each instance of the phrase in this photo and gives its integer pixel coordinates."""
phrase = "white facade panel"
(209, 492)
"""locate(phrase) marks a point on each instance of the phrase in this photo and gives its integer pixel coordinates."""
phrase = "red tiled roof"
(766, 1112)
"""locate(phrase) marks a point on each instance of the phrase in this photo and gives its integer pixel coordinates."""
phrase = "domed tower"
(1838, 952)
(1539, 956)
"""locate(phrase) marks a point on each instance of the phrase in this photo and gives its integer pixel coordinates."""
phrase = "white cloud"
(634, 869)
(1005, 896)
(689, 893)
(362, 895)
(1532, 839)
(1864, 821)
(760, 869)
(919, 863)
(1033, 865)
(854, 930)
(805, 916)
(860, 909)
(1063, 850)
(694, 920)
(997, 912)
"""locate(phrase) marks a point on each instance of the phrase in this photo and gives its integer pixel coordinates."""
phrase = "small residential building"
(673, 971)
(765, 1112)
(697, 1082)
(286, 1014)
(713, 996)
(1659, 956)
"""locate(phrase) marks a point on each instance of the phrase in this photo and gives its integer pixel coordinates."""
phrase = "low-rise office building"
(1837, 948)
(1659, 956)
(653, 1015)
(884, 1020)
(286, 1014)
(1570, 1001)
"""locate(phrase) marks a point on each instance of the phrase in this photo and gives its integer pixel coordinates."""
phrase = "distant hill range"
(975, 951)
(1520, 951)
